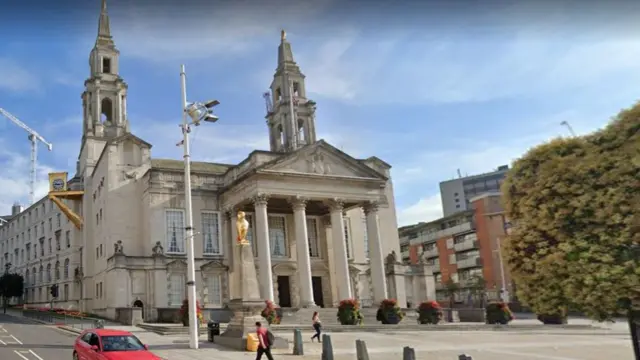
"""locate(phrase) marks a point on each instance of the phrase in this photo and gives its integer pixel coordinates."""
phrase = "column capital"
(260, 199)
(370, 207)
(326, 221)
(298, 202)
(336, 204)
(229, 211)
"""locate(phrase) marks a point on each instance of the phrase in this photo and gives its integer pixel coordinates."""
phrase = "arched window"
(301, 134)
(48, 272)
(281, 134)
(27, 277)
(56, 271)
(66, 268)
(41, 274)
(33, 275)
(106, 107)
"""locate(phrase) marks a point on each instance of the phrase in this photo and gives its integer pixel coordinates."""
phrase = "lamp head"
(211, 103)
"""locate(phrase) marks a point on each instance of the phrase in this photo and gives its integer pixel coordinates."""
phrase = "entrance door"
(284, 293)
(316, 283)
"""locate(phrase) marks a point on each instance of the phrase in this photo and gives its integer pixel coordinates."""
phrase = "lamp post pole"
(191, 272)
(504, 293)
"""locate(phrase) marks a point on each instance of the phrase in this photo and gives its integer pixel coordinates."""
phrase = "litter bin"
(213, 329)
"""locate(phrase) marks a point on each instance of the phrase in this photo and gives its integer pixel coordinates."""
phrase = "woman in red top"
(263, 338)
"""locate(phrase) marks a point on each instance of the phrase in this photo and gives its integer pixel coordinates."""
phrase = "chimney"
(16, 209)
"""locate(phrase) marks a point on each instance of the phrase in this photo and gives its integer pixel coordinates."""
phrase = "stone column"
(302, 251)
(340, 250)
(375, 253)
(264, 249)
(330, 260)
(228, 240)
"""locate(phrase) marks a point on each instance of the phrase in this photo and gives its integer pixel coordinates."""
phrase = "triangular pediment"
(132, 138)
(322, 159)
(177, 264)
(213, 265)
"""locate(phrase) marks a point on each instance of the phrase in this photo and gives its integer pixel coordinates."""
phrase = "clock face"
(58, 184)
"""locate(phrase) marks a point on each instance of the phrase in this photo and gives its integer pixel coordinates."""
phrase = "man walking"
(265, 338)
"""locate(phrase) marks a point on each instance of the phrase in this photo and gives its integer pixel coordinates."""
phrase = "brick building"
(461, 247)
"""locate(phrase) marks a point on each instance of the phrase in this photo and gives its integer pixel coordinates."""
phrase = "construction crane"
(34, 137)
(568, 126)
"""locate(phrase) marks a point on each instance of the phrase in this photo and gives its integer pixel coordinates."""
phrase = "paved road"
(21, 339)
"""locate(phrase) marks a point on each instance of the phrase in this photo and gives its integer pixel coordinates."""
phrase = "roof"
(424, 225)
(110, 332)
(196, 166)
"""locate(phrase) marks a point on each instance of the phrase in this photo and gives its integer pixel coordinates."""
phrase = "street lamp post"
(504, 293)
(198, 112)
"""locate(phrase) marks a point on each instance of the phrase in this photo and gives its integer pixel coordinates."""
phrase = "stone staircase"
(329, 316)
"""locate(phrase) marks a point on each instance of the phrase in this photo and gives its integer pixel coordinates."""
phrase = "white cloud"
(15, 78)
(15, 180)
(426, 209)
(205, 31)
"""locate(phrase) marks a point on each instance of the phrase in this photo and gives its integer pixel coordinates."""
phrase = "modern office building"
(462, 247)
(456, 194)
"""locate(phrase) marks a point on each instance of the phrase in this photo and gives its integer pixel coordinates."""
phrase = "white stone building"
(321, 222)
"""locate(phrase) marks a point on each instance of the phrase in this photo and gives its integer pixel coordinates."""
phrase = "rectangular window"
(211, 232)
(176, 293)
(67, 238)
(214, 290)
(366, 238)
(347, 236)
(65, 294)
(254, 245)
(175, 231)
(277, 235)
(58, 220)
(312, 237)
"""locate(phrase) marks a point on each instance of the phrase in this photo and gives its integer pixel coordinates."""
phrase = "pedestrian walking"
(317, 326)
(266, 339)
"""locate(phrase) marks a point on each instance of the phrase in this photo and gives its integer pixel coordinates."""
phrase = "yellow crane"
(58, 191)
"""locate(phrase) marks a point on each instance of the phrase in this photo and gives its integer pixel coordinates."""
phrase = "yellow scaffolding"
(58, 190)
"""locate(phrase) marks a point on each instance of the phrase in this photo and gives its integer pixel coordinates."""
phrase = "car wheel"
(75, 355)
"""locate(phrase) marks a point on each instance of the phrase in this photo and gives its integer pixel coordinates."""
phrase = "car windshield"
(121, 343)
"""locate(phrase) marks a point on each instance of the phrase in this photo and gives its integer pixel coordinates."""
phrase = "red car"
(103, 344)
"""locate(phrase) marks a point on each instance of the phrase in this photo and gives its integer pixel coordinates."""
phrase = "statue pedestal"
(246, 309)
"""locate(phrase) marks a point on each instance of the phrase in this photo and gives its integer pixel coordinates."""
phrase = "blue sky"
(428, 88)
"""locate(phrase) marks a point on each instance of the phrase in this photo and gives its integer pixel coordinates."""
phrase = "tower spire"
(285, 54)
(104, 28)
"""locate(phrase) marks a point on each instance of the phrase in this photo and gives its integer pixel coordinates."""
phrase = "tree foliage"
(575, 205)
(11, 285)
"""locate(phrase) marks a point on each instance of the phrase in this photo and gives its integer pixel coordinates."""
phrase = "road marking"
(22, 356)
(3, 330)
(36, 355)
(16, 339)
(2, 342)
(525, 355)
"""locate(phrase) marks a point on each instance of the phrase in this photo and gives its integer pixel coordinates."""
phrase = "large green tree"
(11, 285)
(575, 205)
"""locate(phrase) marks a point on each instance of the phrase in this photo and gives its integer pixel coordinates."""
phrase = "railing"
(76, 322)
(469, 262)
(430, 253)
(466, 245)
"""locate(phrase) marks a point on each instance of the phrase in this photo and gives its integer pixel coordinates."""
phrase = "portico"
(287, 211)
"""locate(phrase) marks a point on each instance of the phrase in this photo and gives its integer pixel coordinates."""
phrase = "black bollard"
(361, 350)
(408, 353)
(327, 348)
(297, 342)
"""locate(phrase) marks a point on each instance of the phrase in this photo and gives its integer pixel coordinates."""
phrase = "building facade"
(456, 194)
(322, 224)
(462, 248)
